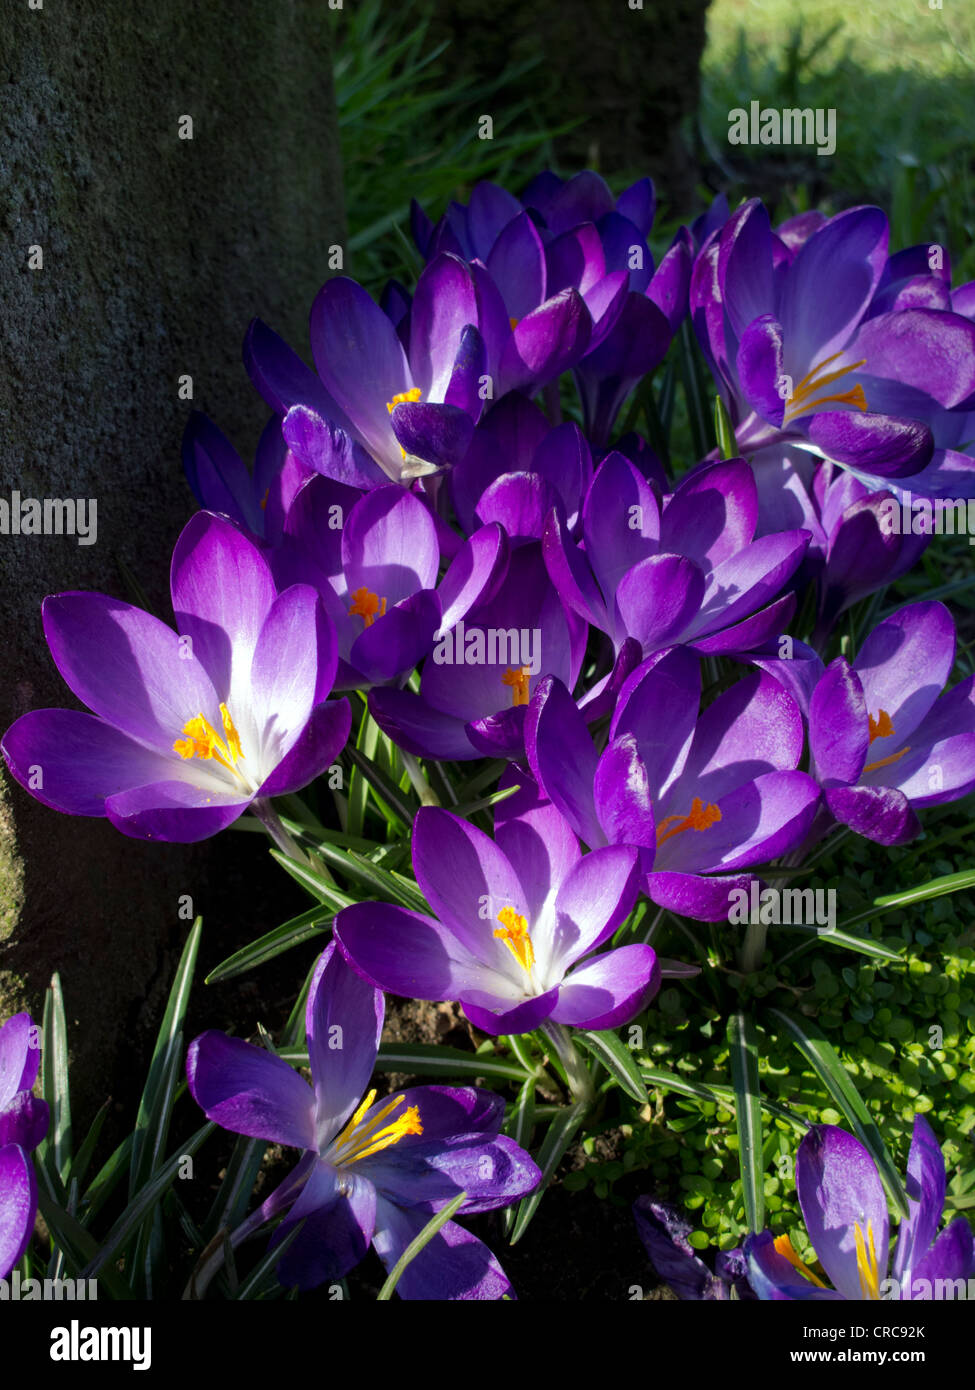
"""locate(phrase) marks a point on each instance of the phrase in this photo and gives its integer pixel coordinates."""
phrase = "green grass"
(902, 82)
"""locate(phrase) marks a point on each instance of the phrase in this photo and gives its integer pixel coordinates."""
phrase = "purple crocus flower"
(187, 728)
(374, 560)
(411, 411)
(517, 921)
(882, 735)
(23, 1124)
(664, 1232)
(372, 1171)
(514, 447)
(221, 482)
(692, 573)
(854, 550)
(787, 335)
(477, 682)
(702, 797)
(845, 1211)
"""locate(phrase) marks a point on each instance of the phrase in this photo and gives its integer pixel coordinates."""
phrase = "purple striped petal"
(18, 1207)
(838, 1189)
(454, 1265)
(249, 1091)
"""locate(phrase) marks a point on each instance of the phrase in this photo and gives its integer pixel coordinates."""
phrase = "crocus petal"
(495, 1015)
(760, 368)
(217, 474)
(282, 378)
(760, 820)
(284, 672)
(315, 749)
(127, 666)
(609, 990)
(454, 1265)
(593, 900)
(24, 1121)
(562, 757)
(437, 434)
(618, 495)
(337, 1232)
(19, 1206)
(427, 1174)
(505, 441)
(839, 734)
(839, 1188)
(546, 342)
(72, 761)
(174, 812)
(407, 953)
(536, 840)
(20, 1056)
(519, 502)
(473, 574)
(879, 444)
(664, 1233)
(343, 1022)
(658, 705)
(419, 727)
(882, 814)
(949, 1259)
(707, 899)
(712, 514)
(774, 1278)
(397, 641)
(517, 266)
(847, 254)
(658, 599)
(903, 666)
(329, 450)
(360, 360)
(926, 1190)
(621, 792)
(249, 1091)
(222, 593)
(467, 880)
(443, 305)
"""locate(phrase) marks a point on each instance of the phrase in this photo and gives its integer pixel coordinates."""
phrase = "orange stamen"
(701, 817)
(367, 606)
(804, 399)
(514, 933)
(517, 678)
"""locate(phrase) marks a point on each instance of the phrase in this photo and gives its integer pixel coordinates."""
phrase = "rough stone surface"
(156, 252)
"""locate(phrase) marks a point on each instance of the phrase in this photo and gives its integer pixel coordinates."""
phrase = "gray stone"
(156, 252)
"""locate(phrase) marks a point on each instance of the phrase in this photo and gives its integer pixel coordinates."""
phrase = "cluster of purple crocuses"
(449, 523)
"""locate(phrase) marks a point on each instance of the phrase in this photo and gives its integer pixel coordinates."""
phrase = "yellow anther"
(867, 1267)
(517, 677)
(359, 1139)
(267, 494)
(203, 741)
(514, 933)
(785, 1248)
(701, 817)
(367, 606)
(805, 399)
(514, 323)
(404, 398)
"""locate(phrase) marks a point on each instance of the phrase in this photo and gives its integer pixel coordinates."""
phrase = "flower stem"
(577, 1073)
(271, 821)
(423, 789)
(753, 947)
